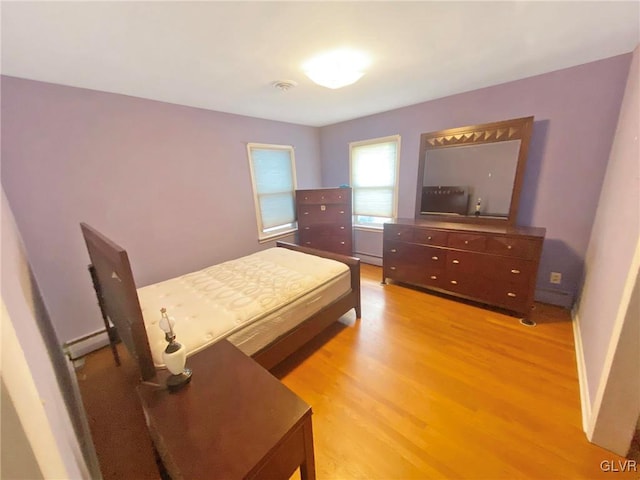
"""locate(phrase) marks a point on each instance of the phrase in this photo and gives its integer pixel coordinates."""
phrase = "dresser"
(494, 265)
(324, 219)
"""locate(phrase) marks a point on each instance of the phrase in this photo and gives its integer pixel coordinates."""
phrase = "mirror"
(474, 173)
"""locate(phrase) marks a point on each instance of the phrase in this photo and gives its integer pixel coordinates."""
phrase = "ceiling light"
(336, 69)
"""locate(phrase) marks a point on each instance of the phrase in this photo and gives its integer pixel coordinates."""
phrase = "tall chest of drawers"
(493, 265)
(324, 219)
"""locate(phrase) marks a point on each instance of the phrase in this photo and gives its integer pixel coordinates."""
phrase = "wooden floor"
(421, 387)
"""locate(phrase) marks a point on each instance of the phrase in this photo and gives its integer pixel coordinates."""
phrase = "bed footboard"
(284, 346)
(352, 262)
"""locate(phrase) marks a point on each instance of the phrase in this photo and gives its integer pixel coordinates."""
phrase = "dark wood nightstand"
(235, 420)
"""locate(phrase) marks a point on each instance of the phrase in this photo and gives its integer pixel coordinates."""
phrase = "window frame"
(265, 235)
(373, 141)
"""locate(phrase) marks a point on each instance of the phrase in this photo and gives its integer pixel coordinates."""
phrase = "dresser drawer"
(464, 273)
(393, 231)
(398, 253)
(414, 274)
(464, 284)
(430, 237)
(508, 269)
(513, 247)
(507, 295)
(430, 259)
(329, 213)
(467, 241)
(338, 195)
(464, 263)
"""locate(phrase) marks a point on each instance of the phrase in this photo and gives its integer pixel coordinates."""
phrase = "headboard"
(118, 289)
(445, 200)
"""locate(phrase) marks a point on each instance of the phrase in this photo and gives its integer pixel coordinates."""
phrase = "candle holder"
(174, 356)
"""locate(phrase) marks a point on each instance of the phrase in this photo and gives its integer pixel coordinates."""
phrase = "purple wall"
(575, 111)
(171, 184)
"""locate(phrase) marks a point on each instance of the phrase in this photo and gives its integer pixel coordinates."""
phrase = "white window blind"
(274, 185)
(374, 179)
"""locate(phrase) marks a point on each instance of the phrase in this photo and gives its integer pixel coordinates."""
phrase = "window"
(273, 176)
(374, 179)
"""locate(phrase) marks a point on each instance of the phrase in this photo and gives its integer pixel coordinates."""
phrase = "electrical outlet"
(556, 277)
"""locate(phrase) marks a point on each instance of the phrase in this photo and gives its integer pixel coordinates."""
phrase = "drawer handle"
(429, 237)
(341, 243)
(433, 277)
(453, 282)
(342, 211)
(399, 233)
(466, 242)
(392, 268)
(306, 213)
(393, 250)
(308, 243)
(515, 271)
(509, 247)
(456, 261)
(341, 228)
(511, 294)
(434, 258)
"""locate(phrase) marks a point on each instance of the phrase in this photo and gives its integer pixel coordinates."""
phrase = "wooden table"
(234, 420)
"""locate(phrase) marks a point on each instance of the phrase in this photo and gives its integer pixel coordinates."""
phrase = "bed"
(268, 304)
(438, 200)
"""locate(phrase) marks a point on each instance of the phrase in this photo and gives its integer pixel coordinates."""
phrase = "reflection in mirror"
(484, 172)
(473, 174)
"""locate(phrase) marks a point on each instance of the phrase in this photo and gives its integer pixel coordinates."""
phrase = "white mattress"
(251, 300)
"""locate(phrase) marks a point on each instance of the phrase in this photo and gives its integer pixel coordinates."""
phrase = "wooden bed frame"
(118, 300)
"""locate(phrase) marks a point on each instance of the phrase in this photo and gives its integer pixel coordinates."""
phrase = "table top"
(226, 420)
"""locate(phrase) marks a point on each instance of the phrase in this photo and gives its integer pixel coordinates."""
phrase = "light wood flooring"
(421, 387)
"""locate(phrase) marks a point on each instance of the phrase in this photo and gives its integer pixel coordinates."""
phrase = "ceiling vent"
(284, 85)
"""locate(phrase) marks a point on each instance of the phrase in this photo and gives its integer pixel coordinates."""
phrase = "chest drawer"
(329, 213)
(325, 230)
(467, 241)
(333, 244)
(338, 195)
(513, 247)
(430, 237)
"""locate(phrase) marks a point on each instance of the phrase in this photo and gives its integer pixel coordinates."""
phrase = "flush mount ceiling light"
(336, 69)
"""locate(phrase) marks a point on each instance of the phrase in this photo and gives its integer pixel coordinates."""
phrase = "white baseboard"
(368, 258)
(585, 401)
(84, 345)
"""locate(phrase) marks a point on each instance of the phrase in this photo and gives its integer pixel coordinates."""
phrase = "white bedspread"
(215, 302)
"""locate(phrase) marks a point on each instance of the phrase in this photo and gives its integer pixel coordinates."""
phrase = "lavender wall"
(612, 257)
(169, 183)
(575, 113)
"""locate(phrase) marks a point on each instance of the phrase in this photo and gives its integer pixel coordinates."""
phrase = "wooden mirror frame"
(515, 129)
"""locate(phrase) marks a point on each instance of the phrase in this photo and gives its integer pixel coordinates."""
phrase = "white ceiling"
(224, 56)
